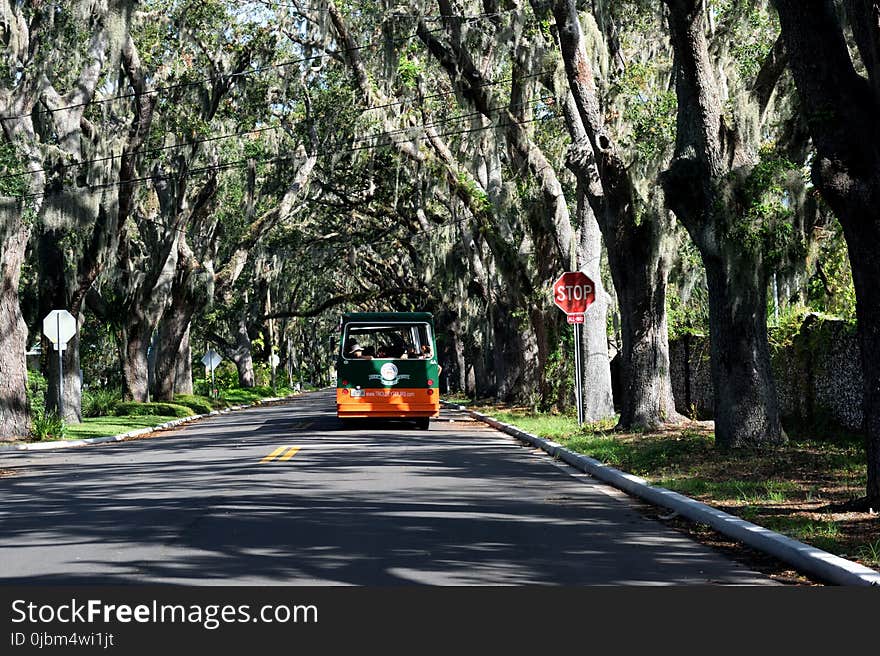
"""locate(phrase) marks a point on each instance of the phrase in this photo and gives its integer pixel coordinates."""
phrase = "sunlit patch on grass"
(109, 426)
(870, 553)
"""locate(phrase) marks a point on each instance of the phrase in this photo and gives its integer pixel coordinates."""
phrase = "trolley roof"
(389, 317)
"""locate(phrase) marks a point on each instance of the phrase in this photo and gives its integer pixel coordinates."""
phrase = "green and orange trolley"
(387, 367)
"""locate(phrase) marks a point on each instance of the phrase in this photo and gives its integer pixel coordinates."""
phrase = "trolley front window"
(387, 341)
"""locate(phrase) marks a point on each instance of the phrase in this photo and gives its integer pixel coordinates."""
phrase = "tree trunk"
(136, 336)
(242, 356)
(480, 380)
(14, 416)
(244, 364)
(865, 260)
(458, 377)
(183, 371)
(54, 295)
(174, 327)
(639, 267)
(745, 399)
(637, 250)
(841, 109)
(72, 397)
(598, 399)
(698, 186)
(516, 353)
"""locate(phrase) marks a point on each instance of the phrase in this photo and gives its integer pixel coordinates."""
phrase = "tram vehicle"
(387, 367)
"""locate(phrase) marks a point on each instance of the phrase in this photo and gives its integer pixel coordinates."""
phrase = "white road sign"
(211, 359)
(59, 326)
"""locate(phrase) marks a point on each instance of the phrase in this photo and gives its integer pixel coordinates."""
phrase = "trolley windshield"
(387, 341)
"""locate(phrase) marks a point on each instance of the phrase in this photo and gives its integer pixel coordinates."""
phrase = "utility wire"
(188, 144)
(270, 160)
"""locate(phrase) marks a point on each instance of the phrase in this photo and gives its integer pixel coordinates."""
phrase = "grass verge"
(146, 415)
(108, 426)
(243, 396)
(801, 490)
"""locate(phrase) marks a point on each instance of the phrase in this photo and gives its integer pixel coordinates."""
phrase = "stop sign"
(574, 292)
(59, 326)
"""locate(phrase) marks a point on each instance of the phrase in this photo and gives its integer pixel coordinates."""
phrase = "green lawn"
(110, 425)
(239, 396)
(105, 426)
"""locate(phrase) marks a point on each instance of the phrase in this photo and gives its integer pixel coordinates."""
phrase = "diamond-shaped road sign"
(211, 359)
(59, 326)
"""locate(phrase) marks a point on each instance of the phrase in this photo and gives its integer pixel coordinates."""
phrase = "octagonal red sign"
(573, 292)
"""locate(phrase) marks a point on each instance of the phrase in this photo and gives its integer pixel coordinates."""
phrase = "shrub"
(100, 402)
(199, 404)
(240, 395)
(47, 425)
(36, 392)
(225, 376)
(202, 388)
(137, 409)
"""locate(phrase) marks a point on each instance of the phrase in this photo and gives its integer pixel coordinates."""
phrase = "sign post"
(211, 360)
(573, 293)
(274, 361)
(59, 326)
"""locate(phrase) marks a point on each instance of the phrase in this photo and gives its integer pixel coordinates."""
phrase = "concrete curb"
(804, 558)
(68, 444)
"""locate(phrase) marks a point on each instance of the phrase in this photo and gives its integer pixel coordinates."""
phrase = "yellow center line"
(274, 454)
(290, 453)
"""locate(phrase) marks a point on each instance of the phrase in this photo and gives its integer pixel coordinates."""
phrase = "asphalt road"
(284, 495)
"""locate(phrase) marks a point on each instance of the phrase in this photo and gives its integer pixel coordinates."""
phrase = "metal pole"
(213, 390)
(58, 345)
(289, 364)
(775, 300)
(578, 374)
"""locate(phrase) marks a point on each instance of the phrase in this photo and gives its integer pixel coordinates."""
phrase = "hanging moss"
(12, 183)
(761, 203)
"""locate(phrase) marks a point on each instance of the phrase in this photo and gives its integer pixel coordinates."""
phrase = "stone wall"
(817, 372)
(691, 377)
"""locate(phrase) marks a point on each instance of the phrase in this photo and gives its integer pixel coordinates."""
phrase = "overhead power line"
(270, 160)
(222, 137)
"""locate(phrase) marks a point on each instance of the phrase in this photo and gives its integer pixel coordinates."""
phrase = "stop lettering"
(573, 292)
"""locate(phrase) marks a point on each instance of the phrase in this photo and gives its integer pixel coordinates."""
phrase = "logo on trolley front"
(389, 375)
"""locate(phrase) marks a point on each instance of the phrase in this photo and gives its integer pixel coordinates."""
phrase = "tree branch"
(768, 77)
(357, 67)
(472, 85)
(349, 298)
(864, 17)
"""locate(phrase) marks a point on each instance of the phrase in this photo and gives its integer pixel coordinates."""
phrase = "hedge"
(134, 408)
(198, 404)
